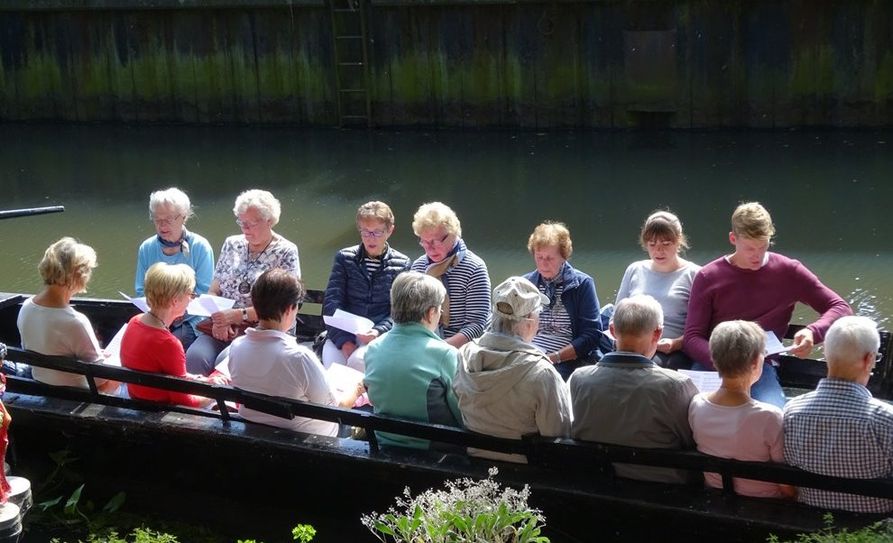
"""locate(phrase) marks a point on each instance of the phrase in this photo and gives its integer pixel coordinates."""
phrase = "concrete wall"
(597, 63)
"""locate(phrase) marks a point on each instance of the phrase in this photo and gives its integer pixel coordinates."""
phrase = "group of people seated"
(536, 355)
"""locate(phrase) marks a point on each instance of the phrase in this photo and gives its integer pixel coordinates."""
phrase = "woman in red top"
(148, 344)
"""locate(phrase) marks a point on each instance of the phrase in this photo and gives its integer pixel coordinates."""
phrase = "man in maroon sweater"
(754, 284)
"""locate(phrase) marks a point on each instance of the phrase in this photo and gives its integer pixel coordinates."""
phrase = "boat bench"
(805, 373)
(556, 464)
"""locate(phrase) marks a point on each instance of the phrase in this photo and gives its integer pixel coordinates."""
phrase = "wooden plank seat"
(563, 460)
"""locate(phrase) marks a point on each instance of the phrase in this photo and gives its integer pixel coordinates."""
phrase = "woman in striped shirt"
(466, 309)
(569, 326)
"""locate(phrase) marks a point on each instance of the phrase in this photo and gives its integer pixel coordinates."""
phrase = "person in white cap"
(506, 386)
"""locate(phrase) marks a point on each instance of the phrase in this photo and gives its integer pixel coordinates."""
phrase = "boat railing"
(594, 459)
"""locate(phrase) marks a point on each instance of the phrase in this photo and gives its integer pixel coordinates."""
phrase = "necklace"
(157, 319)
(245, 285)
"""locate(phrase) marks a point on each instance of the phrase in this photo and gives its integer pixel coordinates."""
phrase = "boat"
(178, 451)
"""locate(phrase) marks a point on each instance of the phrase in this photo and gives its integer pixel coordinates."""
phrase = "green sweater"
(409, 374)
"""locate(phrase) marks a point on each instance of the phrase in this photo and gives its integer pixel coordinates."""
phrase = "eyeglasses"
(371, 233)
(878, 357)
(168, 221)
(247, 225)
(194, 295)
(433, 242)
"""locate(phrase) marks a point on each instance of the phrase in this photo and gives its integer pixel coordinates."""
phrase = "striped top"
(556, 330)
(468, 286)
(372, 264)
(839, 429)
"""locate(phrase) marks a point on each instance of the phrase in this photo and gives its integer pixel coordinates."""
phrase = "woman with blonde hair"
(49, 325)
(466, 309)
(243, 259)
(569, 328)
(148, 344)
(665, 276)
(169, 210)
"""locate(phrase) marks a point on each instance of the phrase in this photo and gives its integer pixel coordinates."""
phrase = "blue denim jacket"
(581, 302)
(352, 288)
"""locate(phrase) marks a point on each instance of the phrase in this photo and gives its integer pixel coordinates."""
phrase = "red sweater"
(151, 349)
(722, 292)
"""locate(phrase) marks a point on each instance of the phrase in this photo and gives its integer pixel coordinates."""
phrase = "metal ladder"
(351, 58)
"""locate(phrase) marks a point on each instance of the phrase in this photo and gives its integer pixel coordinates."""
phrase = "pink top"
(751, 431)
(723, 292)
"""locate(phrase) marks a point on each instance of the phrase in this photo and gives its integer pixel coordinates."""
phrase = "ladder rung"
(346, 10)
(350, 64)
(353, 117)
(348, 37)
(351, 90)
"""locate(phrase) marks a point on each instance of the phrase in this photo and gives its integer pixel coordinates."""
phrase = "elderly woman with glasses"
(243, 259)
(360, 283)
(466, 309)
(172, 243)
(49, 325)
(148, 344)
(569, 330)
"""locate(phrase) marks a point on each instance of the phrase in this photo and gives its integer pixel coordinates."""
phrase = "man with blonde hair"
(839, 429)
(627, 399)
(756, 285)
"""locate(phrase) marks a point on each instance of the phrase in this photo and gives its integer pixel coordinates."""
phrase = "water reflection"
(826, 190)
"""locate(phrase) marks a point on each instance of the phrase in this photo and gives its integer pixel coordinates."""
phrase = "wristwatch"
(244, 314)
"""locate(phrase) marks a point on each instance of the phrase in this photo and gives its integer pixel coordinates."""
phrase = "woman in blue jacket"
(360, 283)
(569, 327)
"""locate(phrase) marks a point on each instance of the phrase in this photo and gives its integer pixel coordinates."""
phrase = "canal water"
(829, 192)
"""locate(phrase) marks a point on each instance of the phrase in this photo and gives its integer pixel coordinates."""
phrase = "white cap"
(516, 297)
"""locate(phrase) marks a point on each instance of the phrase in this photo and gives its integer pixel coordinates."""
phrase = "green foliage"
(139, 535)
(465, 511)
(879, 532)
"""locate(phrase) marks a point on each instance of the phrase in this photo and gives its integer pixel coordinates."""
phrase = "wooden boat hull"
(189, 465)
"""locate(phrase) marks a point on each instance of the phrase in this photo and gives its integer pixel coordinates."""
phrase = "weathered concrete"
(598, 63)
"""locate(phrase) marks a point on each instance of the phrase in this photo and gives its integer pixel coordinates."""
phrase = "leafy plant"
(879, 532)
(464, 511)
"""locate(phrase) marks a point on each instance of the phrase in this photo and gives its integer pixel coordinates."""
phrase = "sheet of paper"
(706, 381)
(113, 349)
(343, 379)
(349, 322)
(774, 345)
(139, 302)
(207, 304)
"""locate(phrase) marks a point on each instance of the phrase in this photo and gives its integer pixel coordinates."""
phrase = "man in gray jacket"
(505, 385)
(626, 399)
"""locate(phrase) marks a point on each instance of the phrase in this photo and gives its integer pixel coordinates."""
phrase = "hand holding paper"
(349, 322)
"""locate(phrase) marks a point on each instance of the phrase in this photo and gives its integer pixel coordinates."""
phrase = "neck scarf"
(439, 270)
(181, 243)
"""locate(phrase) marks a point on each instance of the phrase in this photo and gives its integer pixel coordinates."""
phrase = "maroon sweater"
(722, 292)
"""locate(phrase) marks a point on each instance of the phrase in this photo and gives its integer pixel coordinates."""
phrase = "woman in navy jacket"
(360, 283)
(569, 327)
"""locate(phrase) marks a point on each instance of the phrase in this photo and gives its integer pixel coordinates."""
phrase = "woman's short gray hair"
(263, 201)
(172, 197)
(413, 294)
(734, 345)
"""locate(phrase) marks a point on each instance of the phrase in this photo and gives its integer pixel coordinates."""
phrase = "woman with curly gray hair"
(243, 259)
